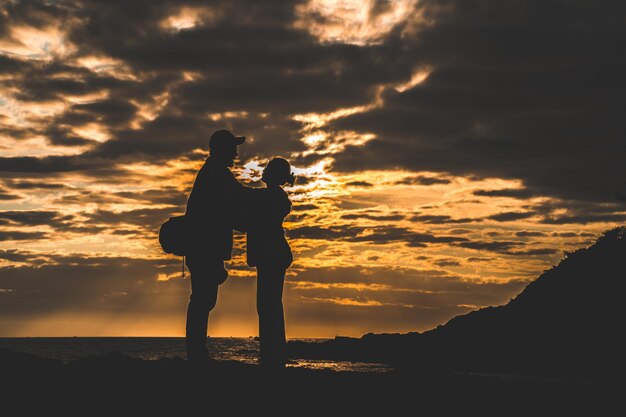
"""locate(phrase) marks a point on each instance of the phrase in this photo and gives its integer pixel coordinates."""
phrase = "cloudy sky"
(448, 152)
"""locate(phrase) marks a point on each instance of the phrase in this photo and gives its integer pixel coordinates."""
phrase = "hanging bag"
(174, 237)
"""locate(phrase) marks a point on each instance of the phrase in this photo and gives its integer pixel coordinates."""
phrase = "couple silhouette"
(217, 205)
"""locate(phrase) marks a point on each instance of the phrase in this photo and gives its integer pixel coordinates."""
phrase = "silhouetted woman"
(269, 251)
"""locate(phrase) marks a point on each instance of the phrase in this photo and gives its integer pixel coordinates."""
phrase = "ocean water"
(239, 349)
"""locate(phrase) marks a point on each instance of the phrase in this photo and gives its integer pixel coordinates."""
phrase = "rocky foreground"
(121, 385)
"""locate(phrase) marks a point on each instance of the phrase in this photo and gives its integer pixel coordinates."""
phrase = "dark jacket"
(213, 200)
(266, 243)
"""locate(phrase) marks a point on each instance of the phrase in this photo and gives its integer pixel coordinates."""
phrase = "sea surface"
(239, 349)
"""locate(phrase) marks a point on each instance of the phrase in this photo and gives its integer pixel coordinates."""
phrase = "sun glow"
(35, 43)
(148, 111)
(416, 79)
(28, 114)
(92, 131)
(188, 18)
(352, 22)
(37, 146)
(227, 115)
(317, 120)
(87, 98)
(104, 65)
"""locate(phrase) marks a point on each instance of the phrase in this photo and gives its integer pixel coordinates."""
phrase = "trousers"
(270, 281)
(206, 276)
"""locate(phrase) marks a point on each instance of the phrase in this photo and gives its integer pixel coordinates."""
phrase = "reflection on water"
(244, 350)
(340, 366)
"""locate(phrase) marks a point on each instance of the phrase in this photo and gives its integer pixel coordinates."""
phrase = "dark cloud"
(416, 239)
(19, 235)
(529, 233)
(459, 231)
(584, 218)
(35, 217)
(84, 197)
(533, 252)
(510, 216)
(45, 88)
(56, 220)
(297, 217)
(531, 91)
(146, 217)
(493, 246)
(112, 111)
(577, 212)
(383, 235)
(477, 259)
(247, 58)
(125, 232)
(38, 15)
(422, 180)
(9, 65)
(359, 184)
(442, 219)
(304, 207)
(521, 193)
(380, 217)
(374, 235)
(328, 233)
(15, 255)
(447, 262)
(30, 185)
(573, 234)
(5, 195)
(82, 229)
(515, 100)
(164, 195)
(303, 180)
(29, 164)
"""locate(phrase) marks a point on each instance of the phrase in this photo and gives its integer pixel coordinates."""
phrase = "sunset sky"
(448, 151)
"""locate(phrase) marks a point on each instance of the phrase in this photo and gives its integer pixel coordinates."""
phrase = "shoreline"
(113, 377)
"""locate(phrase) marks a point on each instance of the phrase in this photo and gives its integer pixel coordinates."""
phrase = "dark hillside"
(567, 322)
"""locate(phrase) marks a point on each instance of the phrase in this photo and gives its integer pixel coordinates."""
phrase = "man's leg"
(205, 278)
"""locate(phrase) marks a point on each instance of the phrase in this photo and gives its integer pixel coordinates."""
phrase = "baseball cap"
(224, 137)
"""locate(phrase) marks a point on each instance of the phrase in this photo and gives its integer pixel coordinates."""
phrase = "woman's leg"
(271, 316)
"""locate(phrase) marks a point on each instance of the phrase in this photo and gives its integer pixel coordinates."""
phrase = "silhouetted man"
(210, 207)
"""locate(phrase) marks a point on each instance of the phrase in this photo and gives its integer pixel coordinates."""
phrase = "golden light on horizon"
(345, 302)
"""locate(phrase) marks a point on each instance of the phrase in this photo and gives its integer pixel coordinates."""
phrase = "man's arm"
(241, 202)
